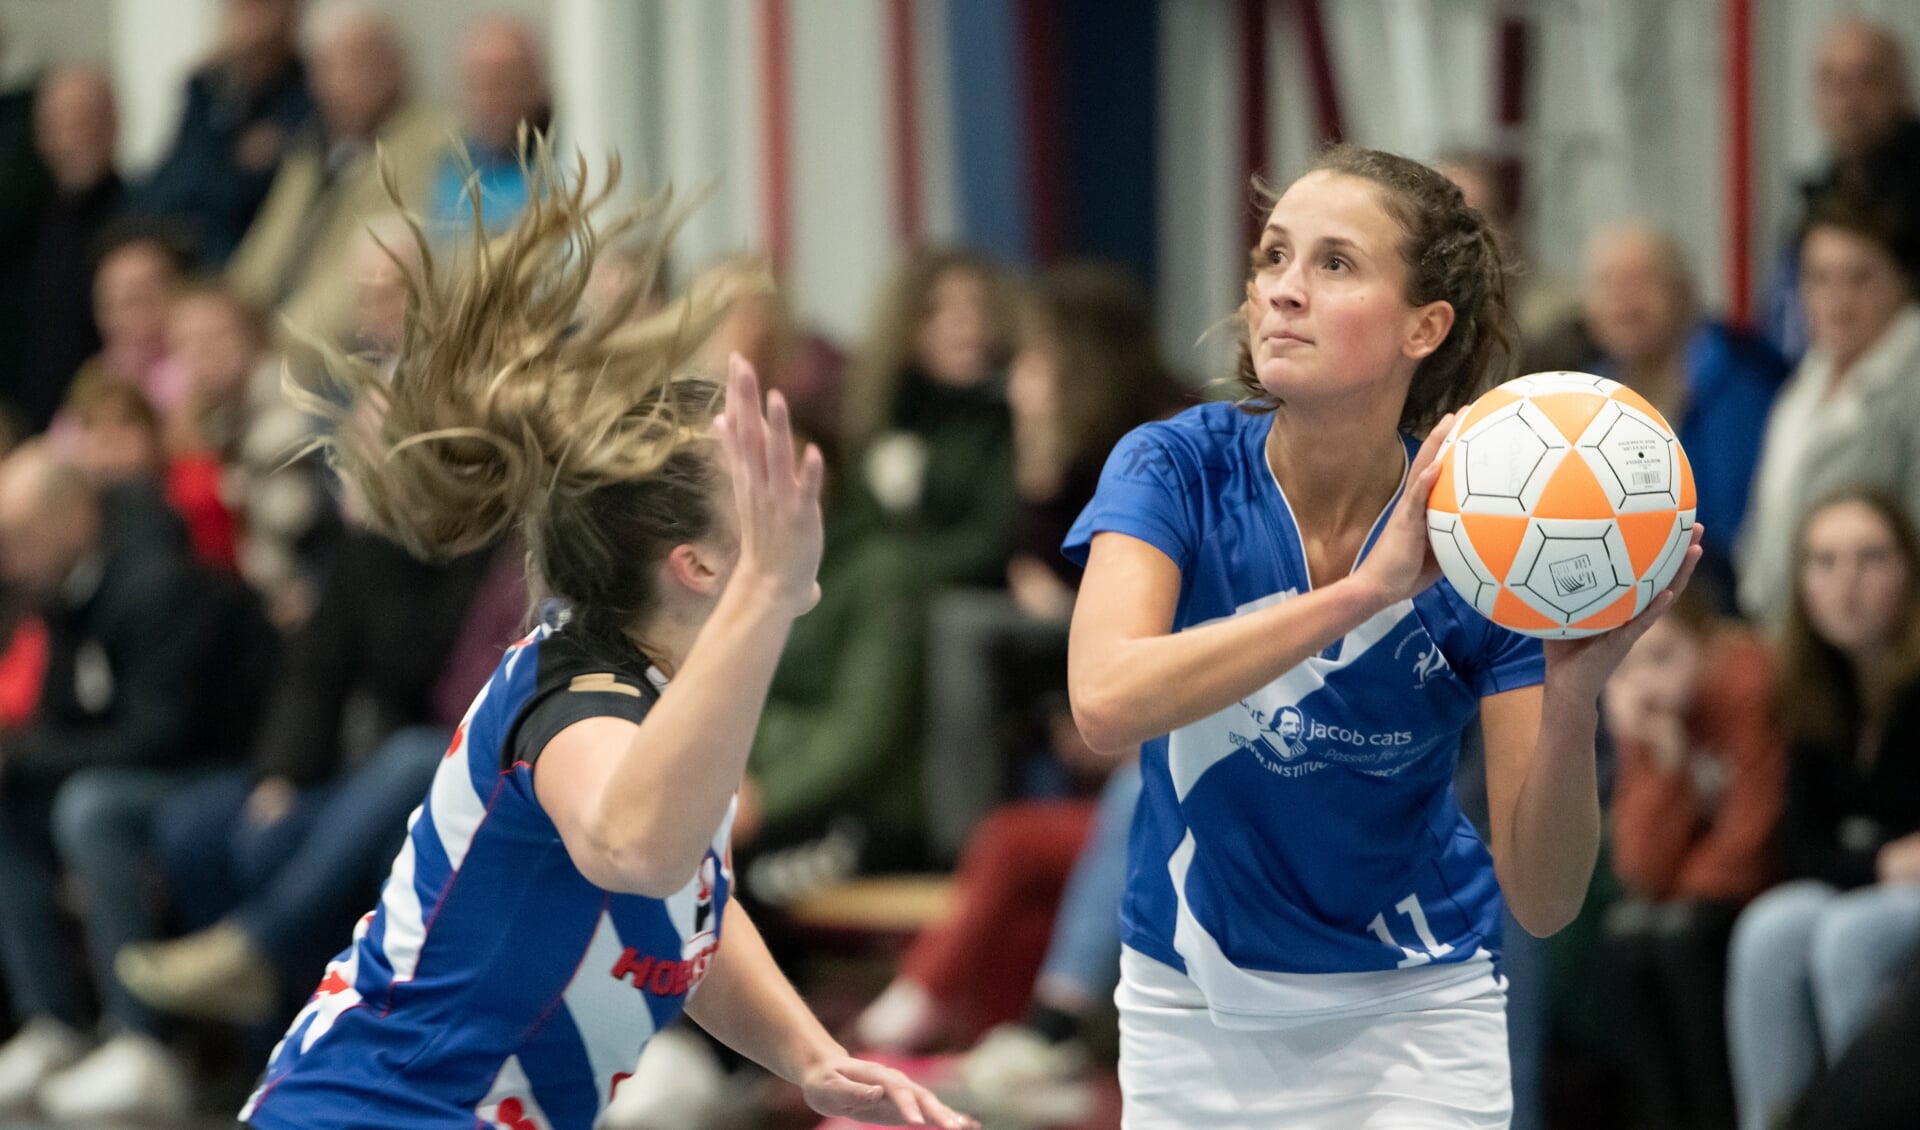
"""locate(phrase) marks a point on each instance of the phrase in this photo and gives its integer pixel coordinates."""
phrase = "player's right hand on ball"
(776, 496)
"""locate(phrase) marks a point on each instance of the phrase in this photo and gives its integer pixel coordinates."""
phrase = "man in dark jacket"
(149, 669)
(241, 109)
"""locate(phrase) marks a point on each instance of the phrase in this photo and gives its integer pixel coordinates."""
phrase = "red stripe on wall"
(776, 132)
(1738, 70)
(1326, 91)
(903, 74)
(1046, 184)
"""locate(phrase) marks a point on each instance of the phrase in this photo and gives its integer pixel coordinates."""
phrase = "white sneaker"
(39, 1049)
(129, 1075)
(1014, 1073)
(903, 1018)
(677, 1085)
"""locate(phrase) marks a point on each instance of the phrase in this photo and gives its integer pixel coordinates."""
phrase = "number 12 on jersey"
(1410, 906)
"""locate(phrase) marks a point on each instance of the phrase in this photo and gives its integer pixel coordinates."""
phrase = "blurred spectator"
(1088, 370)
(1852, 411)
(806, 367)
(1872, 1086)
(1811, 959)
(153, 671)
(297, 258)
(503, 85)
(1712, 382)
(1695, 803)
(242, 111)
(75, 126)
(25, 188)
(116, 438)
(217, 346)
(1863, 104)
(266, 863)
(928, 431)
(1545, 306)
(1030, 1071)
(140, 272)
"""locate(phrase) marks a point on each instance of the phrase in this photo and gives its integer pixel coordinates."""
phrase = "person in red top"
(1699, 792)
(116, 437)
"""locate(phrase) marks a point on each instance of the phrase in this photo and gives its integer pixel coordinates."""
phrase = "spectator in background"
(267, 864)
(116, 438)
(25, 188)
(806, 367)
(1087, 371)
(1695, 803)
(152, 674)
(1546, 307)
(1811, 959)
(297, 257)
(139, 275)
(243, 109)
(503, 86)
(1712, 382)
(928, 431)
(1863, 104)
(75, 127)
(1851, 414)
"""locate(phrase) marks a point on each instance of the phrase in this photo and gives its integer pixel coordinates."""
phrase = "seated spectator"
(76, 133)
(1811, 959)
(115, 438)
(1851, 414)
(1872, 1086)
(503, 87)
(297, 256)
(1087, 371)
(152, 672)
(1863, 106)
(266, 863)
(928, 431)
(1695, 802)
(217, 346)
(139, 275)
(806, 367)
(1712, 382)
(242, 111)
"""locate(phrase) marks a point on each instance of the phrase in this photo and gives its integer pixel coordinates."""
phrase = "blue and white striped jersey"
(493, 985)
(1301, 853)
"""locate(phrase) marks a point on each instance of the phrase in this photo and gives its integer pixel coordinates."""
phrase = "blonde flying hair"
(509, 409)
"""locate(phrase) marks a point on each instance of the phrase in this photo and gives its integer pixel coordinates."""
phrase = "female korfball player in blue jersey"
(563, 891)
(1311, 926)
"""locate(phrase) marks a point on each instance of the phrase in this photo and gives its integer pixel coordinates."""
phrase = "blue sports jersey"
(493, 985)
(1301, 852)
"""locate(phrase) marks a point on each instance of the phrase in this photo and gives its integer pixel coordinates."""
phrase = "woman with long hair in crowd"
(1310, 923)
(564, 888)
(1812, 958)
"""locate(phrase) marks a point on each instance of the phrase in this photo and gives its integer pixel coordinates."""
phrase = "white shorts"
(1439, 1068)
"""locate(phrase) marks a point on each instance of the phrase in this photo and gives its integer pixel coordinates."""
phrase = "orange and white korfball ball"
(1564, 504)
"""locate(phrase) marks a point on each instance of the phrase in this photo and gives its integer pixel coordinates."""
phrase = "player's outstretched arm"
(749, 1005)
(1543, 797)
(640, 821)
(1132, 678)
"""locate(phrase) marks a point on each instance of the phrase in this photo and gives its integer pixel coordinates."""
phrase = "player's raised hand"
(1401, 564)
(776, 496)
(867, 1092)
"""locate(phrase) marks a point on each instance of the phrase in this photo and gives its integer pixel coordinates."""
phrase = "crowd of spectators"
(221, 696)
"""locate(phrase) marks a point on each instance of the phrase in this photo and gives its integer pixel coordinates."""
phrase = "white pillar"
(600, 85)
(155, 48)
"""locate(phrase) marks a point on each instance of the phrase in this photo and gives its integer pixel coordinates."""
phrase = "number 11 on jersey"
(1410, 906)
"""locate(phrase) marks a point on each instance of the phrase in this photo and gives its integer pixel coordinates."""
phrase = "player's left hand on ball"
(867, 1092)
(1583, 665)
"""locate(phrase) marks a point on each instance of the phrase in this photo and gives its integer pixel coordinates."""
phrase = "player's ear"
(1427, 327)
